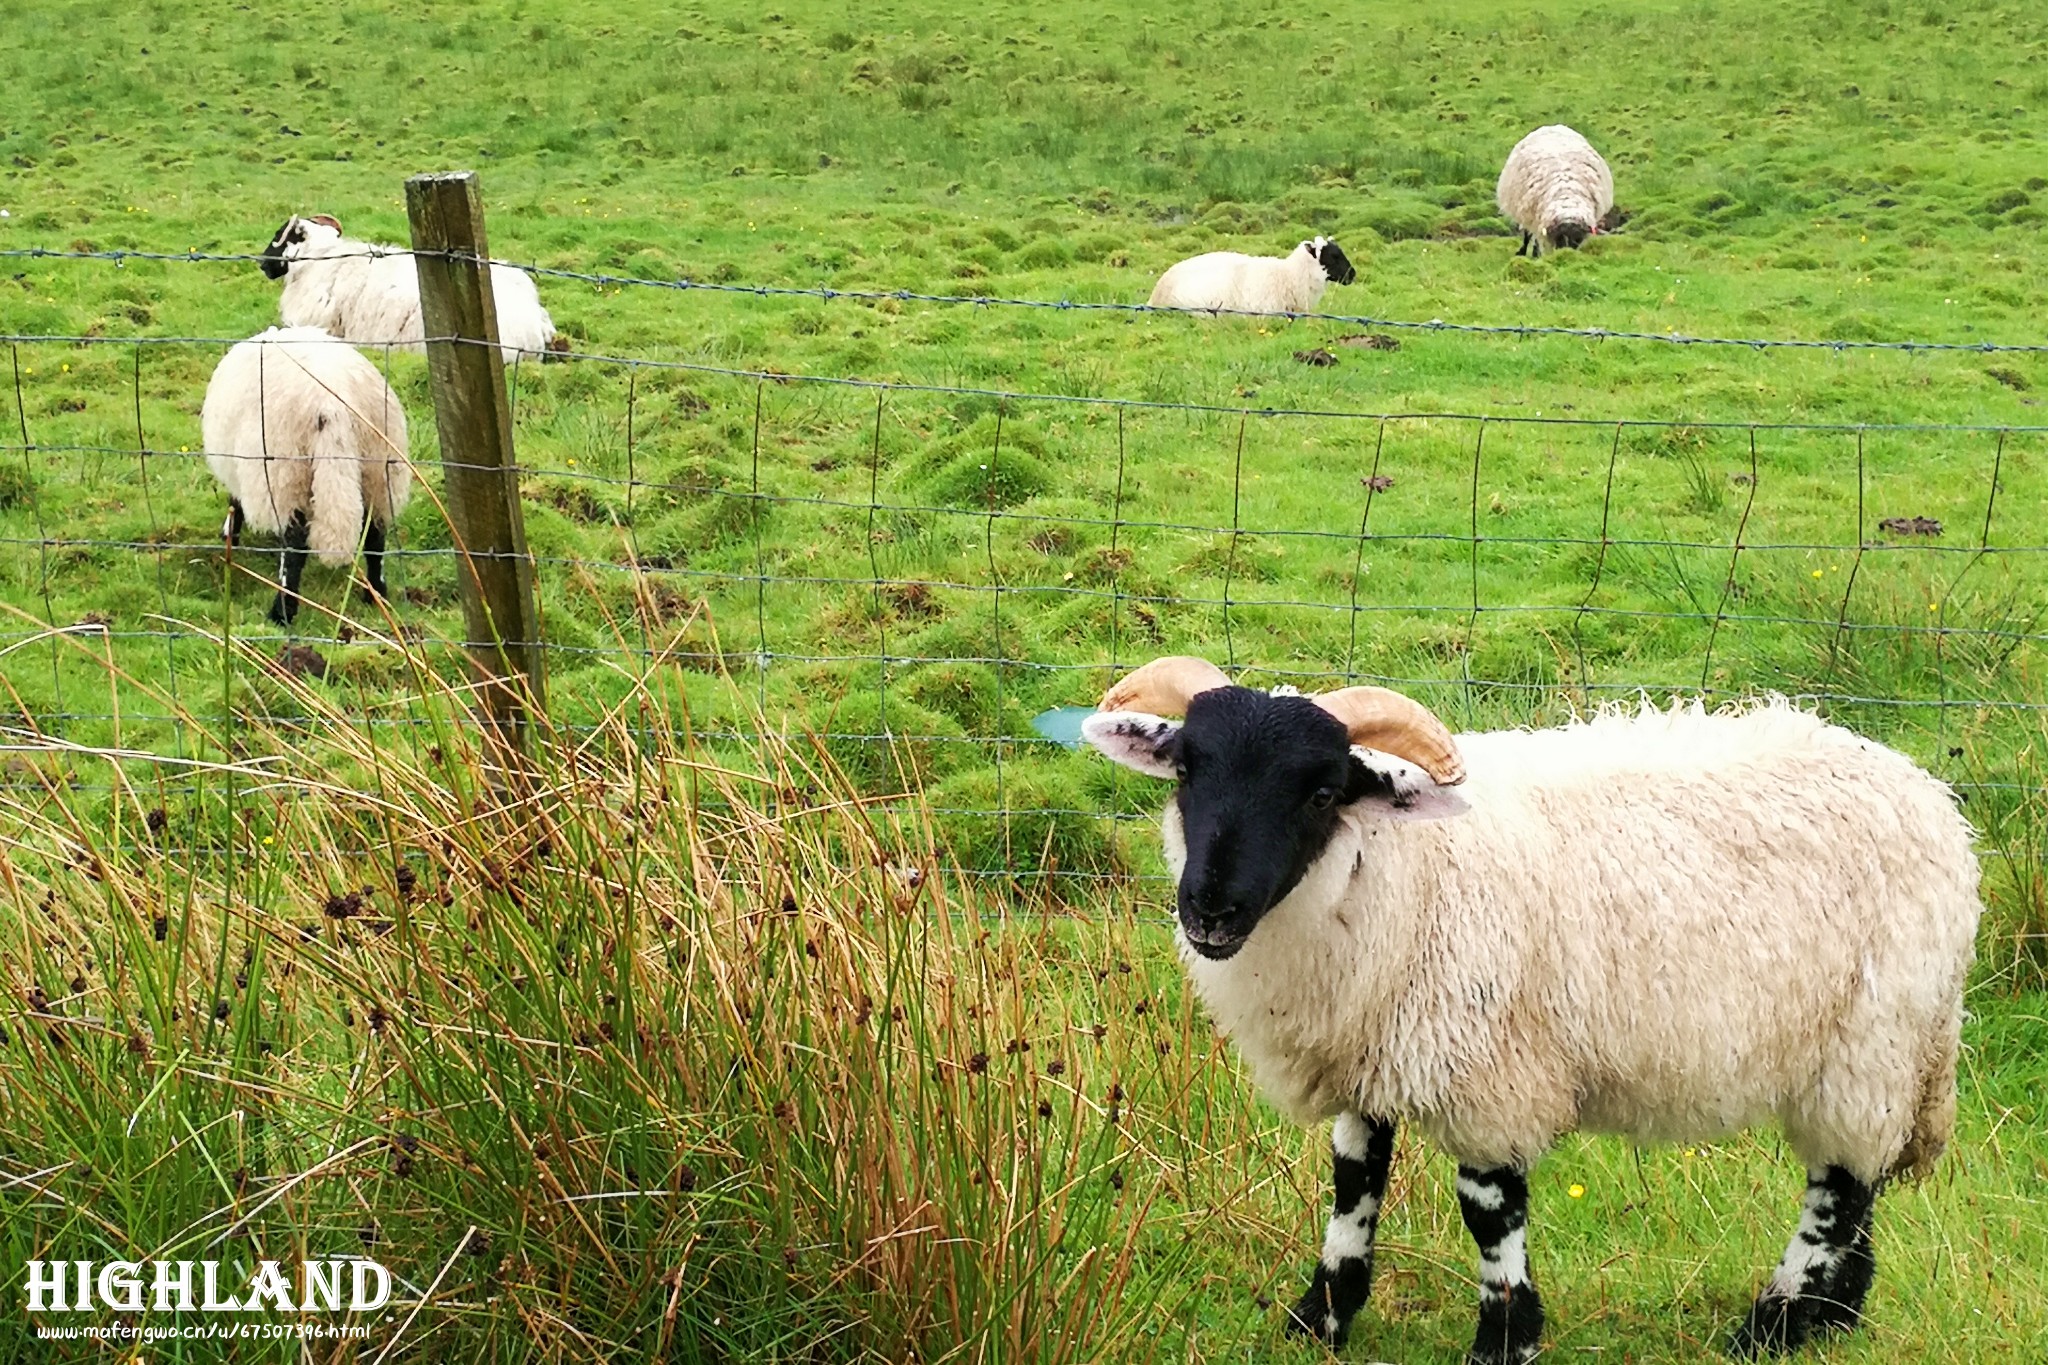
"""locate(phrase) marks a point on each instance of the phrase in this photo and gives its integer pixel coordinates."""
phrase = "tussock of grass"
(701, 1058)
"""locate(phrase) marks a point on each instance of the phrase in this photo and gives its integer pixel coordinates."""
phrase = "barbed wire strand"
(608, 280)
(1092, 400)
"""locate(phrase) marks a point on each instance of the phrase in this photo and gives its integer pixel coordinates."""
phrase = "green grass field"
(1801, 171)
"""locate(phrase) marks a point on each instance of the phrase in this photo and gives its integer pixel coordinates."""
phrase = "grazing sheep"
(1663, 924)
(310, 443)
(1555, 188)
(370, 294)
(1232, 282)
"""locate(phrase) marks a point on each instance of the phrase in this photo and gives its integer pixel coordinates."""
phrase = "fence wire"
(826, 293)
(910, 572)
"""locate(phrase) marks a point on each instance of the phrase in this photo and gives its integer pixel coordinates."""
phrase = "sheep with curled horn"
(1669, 924)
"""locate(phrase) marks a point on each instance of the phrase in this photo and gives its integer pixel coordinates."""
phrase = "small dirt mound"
(1368, 341)
(302, 661)
(1910, 526)
(1317, 357)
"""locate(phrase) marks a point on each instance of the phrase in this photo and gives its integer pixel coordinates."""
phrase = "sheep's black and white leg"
(1495, 1204)
(1820, 1285)
(231, 529)
(1363, 1152)
(373, 563)
(1523, 250)
(291, 567)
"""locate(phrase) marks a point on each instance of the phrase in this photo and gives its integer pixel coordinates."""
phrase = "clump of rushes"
(711, 1077)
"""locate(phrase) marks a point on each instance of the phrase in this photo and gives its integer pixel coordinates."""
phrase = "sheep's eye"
(1323, 799)
(1180, 772)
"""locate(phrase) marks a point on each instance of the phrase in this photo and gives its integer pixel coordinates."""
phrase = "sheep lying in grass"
(1668, 925)
(1232, 282)
(310, 443)
(1555, 188)
(370, 294)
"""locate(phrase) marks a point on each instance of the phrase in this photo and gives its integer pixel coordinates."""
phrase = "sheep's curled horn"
(1376, 717)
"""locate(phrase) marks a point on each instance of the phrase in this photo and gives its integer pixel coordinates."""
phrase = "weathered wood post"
(481, 476)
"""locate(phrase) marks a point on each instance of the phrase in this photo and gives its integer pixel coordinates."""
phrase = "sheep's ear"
(1399, 788)
(1143, 743)
(325, 220)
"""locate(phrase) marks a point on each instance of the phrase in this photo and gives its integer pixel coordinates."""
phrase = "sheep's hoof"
(280, 613)
(1776, 1324)
(1476, 1356)
(1312, 1317)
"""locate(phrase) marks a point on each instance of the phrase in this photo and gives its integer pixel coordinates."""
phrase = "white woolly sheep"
(1232, 282)
(1555, 188)
(310, 443)
(1662, 924)
(370, 294)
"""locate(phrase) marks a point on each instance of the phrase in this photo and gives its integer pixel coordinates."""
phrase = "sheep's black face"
(1570, 234)
(273, 259)
(1336, 264)
(1262, 779)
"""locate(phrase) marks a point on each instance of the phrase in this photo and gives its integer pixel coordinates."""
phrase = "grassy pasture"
(1804, 170)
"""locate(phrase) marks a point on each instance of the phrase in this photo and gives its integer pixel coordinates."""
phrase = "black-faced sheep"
(1662, 924)
(1231, 282)
(370, 294)
(310, 443)
(1555, 188)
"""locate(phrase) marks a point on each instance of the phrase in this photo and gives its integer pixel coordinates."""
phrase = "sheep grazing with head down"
(310, 443)
(1231, 282)
(1555, 188)
(370, 294)
(1668, 925)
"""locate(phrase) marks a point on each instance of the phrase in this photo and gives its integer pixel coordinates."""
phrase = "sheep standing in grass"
(370, 294)
(1232, 282)
(1668, 925)
(310, 443)
(1555, 188)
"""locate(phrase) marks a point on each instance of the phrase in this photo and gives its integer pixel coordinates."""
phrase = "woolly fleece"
(295, 420)
(1663, 924)
(1553, 176)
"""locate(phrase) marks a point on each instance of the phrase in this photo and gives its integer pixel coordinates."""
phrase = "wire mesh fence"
(912, 571)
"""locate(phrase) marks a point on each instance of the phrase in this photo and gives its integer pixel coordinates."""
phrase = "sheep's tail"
(1934, 1118)
(337, 530)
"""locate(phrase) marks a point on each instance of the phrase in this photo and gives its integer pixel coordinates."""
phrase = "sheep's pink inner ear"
(1139, 741)
(1403, 791)
(327, 218)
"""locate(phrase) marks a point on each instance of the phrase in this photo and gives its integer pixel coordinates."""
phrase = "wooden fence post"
(481, 476)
